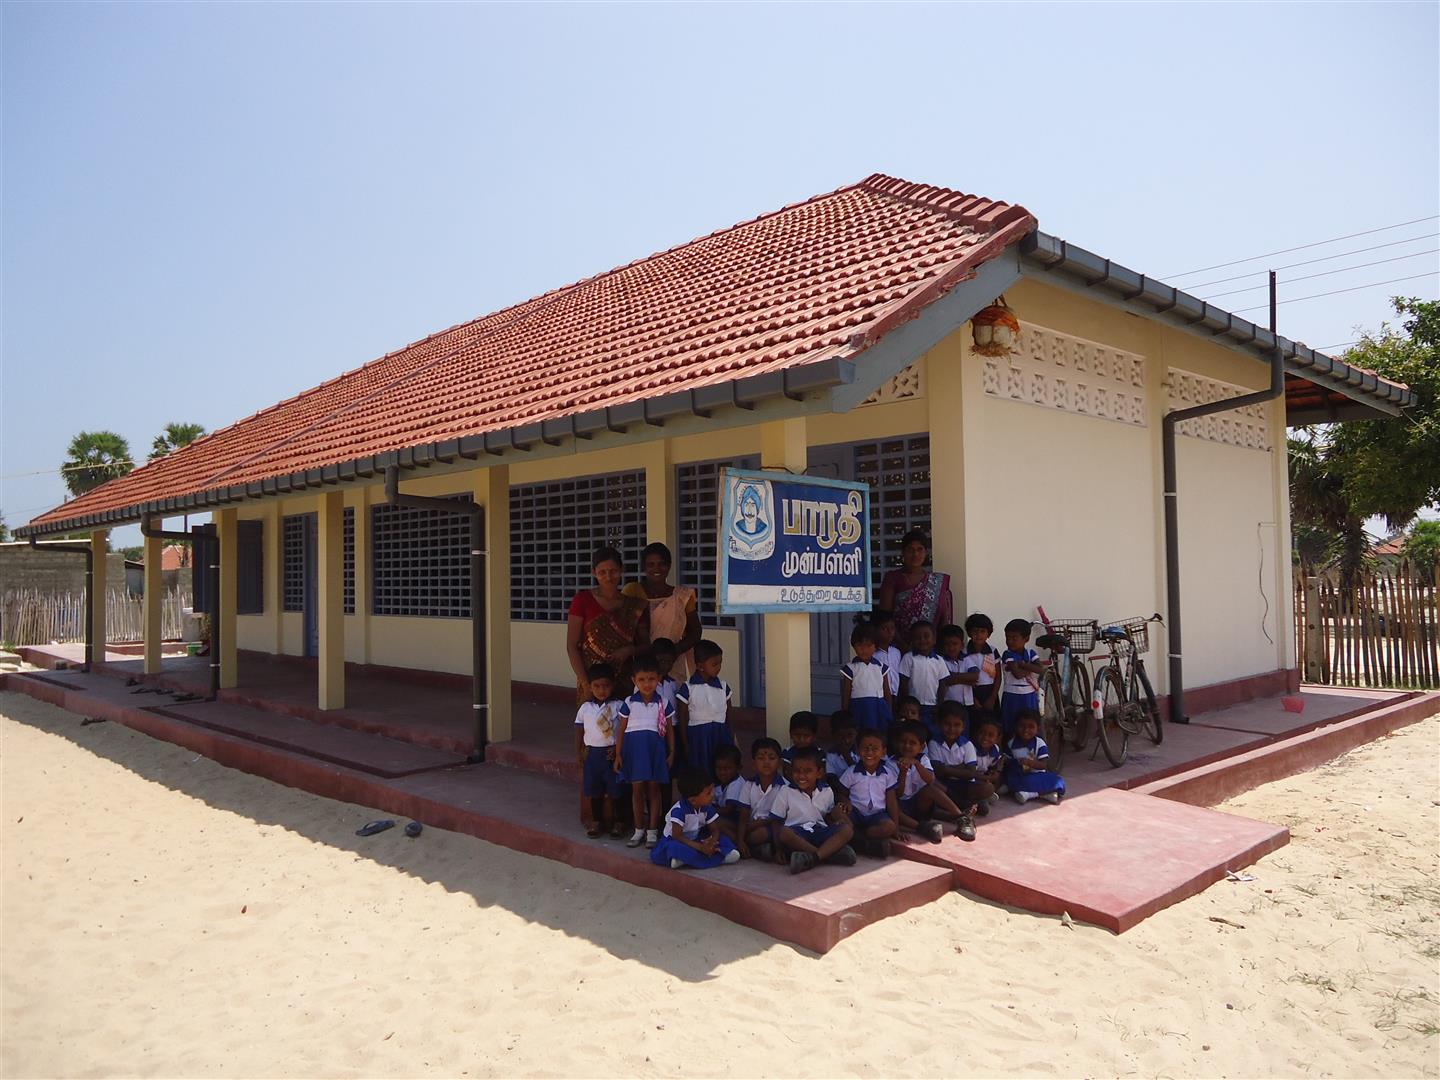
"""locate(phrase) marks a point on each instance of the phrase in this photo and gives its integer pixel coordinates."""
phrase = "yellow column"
(787, 634)
(946, 394)
(330, 554)
(154, 603)
(228, 536)
(493, 491)
(99, 545)
(659, 496)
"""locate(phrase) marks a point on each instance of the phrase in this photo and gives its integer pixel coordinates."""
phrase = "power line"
(66, 468)
(1334, 292)
(1308, 262)
(1303, 247)
(1327, 273)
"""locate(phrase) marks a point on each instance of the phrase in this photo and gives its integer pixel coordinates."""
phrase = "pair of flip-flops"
(412, 830)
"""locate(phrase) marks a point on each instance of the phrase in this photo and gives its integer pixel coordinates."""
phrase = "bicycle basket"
(1080, 633)
(1137, 627)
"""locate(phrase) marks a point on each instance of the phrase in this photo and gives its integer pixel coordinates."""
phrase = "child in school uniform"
(691, 835)
(645, 749)
(595, 750)
(921, 670)
(978, 628)
(757, 796)
(865, 682)
(807, 824)
(922, 803)
(843, 733)
(956, 763)
(1020, 690)
(990, 756)
(959, 685)
(804, 729)
(869, 787)
(702, 703)
(728, 786)
(885, 648)
(663, 649)
(1027, 773)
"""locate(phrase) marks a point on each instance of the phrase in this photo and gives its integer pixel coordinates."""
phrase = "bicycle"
(1122, 698)
(1065, 705)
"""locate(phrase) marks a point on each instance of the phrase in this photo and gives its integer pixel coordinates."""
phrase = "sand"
(165, 916)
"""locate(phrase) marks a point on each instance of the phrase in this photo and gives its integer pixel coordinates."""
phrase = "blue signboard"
(793, 543)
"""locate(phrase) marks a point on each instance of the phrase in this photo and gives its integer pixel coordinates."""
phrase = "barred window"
(294, 562)
(555, 528)
(898, 472)
(349, 549)
(698, 494)
(420, 561)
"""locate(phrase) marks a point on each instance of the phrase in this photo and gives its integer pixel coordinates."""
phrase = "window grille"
(420, 561)
(294, 562)
(555, 528)
(349, 548)
(698, 494)
(898, 472)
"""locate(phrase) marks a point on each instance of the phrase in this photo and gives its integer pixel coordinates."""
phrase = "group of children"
(923, 743)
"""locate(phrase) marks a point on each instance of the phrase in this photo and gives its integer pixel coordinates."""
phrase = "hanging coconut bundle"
(996, 329)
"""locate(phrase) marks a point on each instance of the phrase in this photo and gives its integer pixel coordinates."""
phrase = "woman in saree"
(915, 594)
(605, 626)
(673, 613)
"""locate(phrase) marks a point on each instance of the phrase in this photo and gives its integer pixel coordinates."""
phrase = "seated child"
(990, 758)
(841, 755)
(959, 685)
(956, 765)
(870, 791)
(919, 799)
(921, 670)
(907, 711)
(865, 682)
(883, 623)
(728, 786)
(1028, 774)
(645, 749)
(987, 686)
(691, 836)
(595, 750)
(663, 649)
(757, 796)
(1022, 664)
(806, 822)
(804, 727)
(701, 704)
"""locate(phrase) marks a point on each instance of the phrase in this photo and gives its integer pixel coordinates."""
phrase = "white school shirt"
(759, 799)
(867, 677)
(960, 752)
(729, 795)
(989, 652)
(924, 673)
(707, 700)
(645, 715)
(962, 692)
(691, 819)
(867, 790)
(1035, 748)
(666, 690)
(913, 782)
(598, 719)
(986, 759)
(836, 763)
(794, 807)
(1016, 683)
(890, 654)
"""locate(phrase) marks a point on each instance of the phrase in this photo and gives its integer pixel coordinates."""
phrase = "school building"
(834, 336)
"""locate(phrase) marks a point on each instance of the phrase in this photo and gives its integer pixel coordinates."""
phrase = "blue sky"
(208, 208)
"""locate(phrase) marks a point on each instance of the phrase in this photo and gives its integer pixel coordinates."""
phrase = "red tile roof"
(818, 279)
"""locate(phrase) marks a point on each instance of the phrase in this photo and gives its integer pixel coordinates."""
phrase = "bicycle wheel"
(1077, 711)
(1052, 713)
(1114, 739)
(1151, 724)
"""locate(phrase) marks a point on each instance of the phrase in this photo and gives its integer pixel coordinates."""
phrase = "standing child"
(865, 682)
(645, 749)
(806, 822)
(843, 733)
(701, 703)
(921, 670)
(987, 660)
(1022, 666)
(1028, 774)
(757, 796)
(595, 750)
(919, 799)
(663, 649)
(959, 685)
(728, 787)
(885, 647)
(804, 728)
(691, 836)
(957, 764)
(870, 790)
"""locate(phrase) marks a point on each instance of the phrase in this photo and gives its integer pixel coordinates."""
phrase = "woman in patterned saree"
(605, 626)
(673, 613)
(915, 594)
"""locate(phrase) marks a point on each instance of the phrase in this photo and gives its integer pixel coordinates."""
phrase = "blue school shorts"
(599, 777)
(864, 821)
(911, 807)
(815, 834)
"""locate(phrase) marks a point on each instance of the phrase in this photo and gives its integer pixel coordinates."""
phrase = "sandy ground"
(165, 916)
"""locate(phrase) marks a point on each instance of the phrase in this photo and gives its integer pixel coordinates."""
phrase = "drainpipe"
(1172, 509)
(89, 553)
(212, 591)
(478, 704)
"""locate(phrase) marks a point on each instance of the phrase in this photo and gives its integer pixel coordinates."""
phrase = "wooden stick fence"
(1382, 629)
(34, 618)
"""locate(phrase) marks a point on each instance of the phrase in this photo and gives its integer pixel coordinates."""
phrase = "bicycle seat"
(1052, 641)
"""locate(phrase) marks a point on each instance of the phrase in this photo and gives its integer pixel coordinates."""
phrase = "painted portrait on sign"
(752, 526)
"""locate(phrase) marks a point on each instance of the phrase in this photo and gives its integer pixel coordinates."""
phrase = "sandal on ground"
(593, 832)
(617, 831)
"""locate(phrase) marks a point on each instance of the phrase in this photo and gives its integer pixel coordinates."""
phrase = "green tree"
(1422, 546)
(173, 437)
(4, 529)
(93, 458)
(1326, 529)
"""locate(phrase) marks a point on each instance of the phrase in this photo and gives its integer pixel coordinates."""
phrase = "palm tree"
(95, 457)
(173, 437)
(1321, 511)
